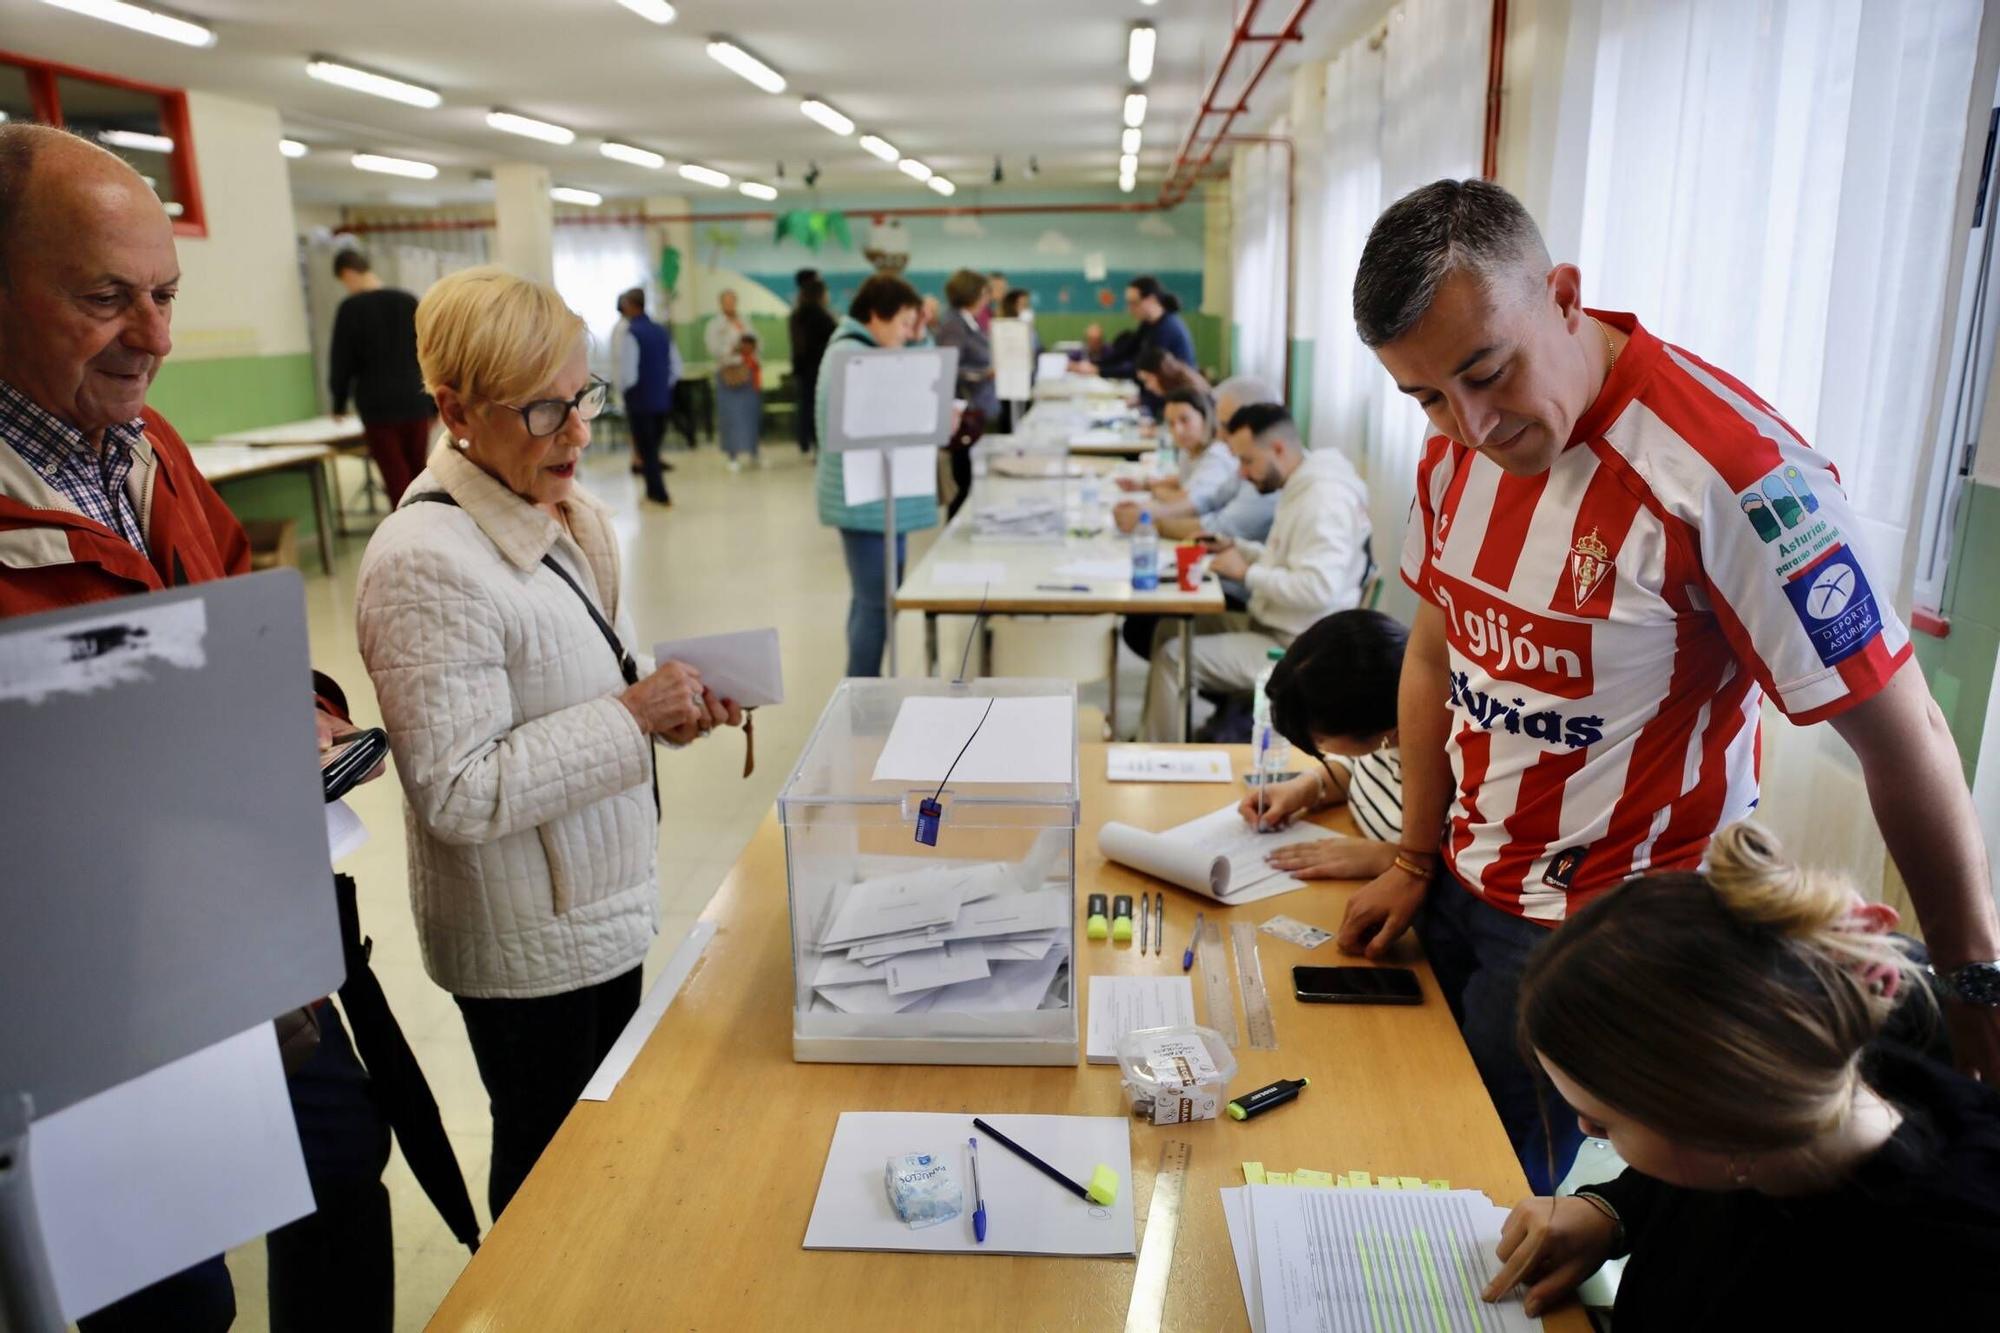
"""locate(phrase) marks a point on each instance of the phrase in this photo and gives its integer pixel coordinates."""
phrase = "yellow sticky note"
(1277, 1177)
(1410, 1183)
(1360, 1180)
(1388, 1183)
(1253, 1173)
(1438, 1185)
(1304, 1177)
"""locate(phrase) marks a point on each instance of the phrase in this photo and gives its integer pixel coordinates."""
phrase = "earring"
(1740, 1172)
(464, 443)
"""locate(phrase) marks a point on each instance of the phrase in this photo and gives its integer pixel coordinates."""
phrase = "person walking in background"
(966, 291)
(374, 360)
(812, 324)
(648, 365)
(739, 394)
(883, 314)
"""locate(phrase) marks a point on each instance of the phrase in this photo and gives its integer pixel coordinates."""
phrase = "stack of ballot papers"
(1357, 1260)
(1218, 855)
(961, 937)
(1023, 518)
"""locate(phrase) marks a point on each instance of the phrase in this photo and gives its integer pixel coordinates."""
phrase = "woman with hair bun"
(1785, 1168)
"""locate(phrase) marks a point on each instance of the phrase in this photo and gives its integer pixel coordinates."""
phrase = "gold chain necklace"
(1610, 348)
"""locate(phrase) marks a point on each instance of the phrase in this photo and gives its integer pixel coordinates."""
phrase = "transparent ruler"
(1215, 984)
(1156, 1249)
(1250, 980)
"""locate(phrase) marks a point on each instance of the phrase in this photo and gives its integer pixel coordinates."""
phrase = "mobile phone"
(350, 759)
(1356, 985)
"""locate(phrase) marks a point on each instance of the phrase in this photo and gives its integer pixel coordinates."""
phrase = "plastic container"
(843, 826)
(1173, 1075)
(1270, 752)
(1146, 555)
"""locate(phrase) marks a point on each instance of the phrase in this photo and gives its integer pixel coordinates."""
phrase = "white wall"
(240, 289)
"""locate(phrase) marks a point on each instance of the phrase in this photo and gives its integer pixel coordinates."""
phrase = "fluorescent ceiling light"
(292, 148)
(704, 175)
(133, 139)
(139, 19)
(738, 61)
(659, 11)
(638, 157)
(914, 169)
(880, 147)
(942, 186)
(378, 85)
(758, 190)
(1128, 142)
(1139, 52)
(530, 128)
(394, 166)
(1135, 109)
(823, 114)
(569, 194)
(1126, 183)
(1128, 165)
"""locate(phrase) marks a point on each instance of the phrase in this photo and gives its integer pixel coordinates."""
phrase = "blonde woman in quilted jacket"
(493, 622)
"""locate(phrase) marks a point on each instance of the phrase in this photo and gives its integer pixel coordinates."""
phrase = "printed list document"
(912, 471)
(1023, 740)
(1119, 1005)
(891, 396)
(1320, 1260)
(1218, 855)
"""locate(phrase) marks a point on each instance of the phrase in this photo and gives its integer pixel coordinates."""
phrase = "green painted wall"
(1960, 666)
(204, 399)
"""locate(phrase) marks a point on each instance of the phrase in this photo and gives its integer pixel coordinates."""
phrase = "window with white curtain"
(1772, 184)
(593, 266)
(1257, 199)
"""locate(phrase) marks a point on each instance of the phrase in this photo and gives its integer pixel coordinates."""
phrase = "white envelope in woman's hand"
(742, 667)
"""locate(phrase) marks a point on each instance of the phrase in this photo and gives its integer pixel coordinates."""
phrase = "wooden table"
(1031, 577)
(681, 1202)
(229, 462)
(1125, 446)
(341, 435)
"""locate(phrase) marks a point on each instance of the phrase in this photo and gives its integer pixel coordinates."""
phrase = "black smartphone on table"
(1356, 985)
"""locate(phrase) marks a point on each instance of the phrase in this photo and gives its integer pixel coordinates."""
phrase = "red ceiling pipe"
(1185, 172)
(1496, 63)
(645, 219)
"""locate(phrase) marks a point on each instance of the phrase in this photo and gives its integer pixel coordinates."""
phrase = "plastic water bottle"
(1090, 503)
(1273, 751)
(1166, 456)
(1145, 555)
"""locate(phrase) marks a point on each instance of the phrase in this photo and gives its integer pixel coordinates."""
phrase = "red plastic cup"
(1186, 558)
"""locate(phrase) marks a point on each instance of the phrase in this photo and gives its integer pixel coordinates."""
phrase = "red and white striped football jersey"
(1614, 623)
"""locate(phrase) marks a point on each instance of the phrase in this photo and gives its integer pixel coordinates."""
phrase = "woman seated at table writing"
(1786, 1169)
(1333, 696)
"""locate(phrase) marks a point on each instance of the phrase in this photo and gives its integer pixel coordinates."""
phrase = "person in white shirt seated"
(1333, 696)
(1316, 562)
(1207, 475)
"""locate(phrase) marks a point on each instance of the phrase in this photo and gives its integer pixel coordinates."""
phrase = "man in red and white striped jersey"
(1619, 551)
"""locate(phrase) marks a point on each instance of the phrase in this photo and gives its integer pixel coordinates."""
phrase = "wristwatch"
(1974, 983)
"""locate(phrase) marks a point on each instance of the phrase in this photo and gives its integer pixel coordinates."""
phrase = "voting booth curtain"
(1773, 186)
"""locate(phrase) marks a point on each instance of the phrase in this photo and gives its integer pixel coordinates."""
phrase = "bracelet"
(1605, 1205)
(1411, 867)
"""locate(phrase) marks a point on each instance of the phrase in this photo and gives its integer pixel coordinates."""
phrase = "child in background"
(1333, 696)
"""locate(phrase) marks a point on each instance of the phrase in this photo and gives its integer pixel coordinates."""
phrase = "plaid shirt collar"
(92, 480)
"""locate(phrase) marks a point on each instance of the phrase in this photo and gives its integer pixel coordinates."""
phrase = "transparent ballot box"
(946, 934)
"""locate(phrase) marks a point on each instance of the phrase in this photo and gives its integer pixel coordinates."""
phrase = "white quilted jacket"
(527, 785)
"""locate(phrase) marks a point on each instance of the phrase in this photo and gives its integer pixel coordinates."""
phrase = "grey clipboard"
(914, 388)
(166, 873)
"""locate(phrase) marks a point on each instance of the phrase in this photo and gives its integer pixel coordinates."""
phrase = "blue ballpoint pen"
(1187, 959)
(978, 1199)
(1062, 587)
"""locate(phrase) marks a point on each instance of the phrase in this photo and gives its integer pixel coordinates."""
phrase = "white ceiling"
(953, 82)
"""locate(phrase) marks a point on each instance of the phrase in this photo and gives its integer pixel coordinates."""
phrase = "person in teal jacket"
(882, 314)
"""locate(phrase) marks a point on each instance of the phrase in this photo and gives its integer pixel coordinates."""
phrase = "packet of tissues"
(922, 1189)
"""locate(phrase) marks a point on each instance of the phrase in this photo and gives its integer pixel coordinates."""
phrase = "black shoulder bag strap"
(627, 665)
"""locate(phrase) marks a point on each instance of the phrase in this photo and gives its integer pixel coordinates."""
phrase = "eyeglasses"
(546, 416)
